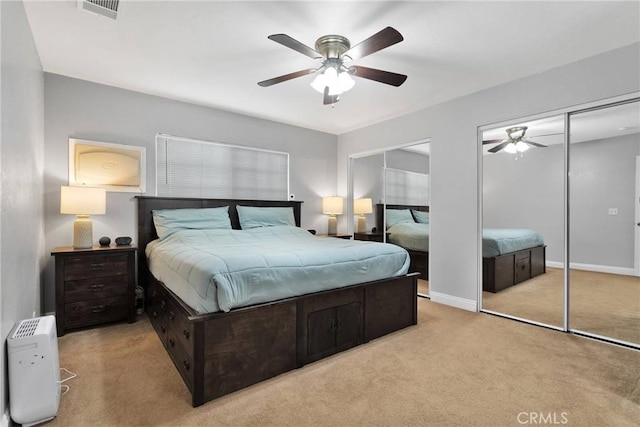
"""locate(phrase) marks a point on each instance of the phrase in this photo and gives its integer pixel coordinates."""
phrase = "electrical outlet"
(613, 211)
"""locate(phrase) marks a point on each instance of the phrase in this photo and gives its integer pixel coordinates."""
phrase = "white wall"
(85, 110)
(21, 171)
(452, 126)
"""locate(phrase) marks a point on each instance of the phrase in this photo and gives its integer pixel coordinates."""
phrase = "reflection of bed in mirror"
(414, 237)
(218, 352)
(509, 256)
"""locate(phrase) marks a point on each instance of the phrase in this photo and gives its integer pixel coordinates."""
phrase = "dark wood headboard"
(380, 212)
(147, 230)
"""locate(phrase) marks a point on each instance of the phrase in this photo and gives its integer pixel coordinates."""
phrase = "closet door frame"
(566, 113)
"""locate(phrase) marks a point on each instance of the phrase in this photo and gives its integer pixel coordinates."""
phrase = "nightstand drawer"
(88, 289)
(102, 310)
(87, 267)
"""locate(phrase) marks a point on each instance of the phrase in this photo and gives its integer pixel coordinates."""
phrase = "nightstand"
(94, 286)
(369, 236)
(339, 236)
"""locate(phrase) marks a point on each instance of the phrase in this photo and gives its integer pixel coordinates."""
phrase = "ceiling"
(602, 123)
(213, 53)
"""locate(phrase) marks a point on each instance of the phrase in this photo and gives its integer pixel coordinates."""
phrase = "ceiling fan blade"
(499, 147)
(382, 39)
(286, 77)
(329, 99)
(492, 141)
(533, 144)
(381, 76)
(294, 44)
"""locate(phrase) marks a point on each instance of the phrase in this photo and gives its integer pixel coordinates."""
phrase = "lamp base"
(362, 224)
(82, 232)
(332, 226)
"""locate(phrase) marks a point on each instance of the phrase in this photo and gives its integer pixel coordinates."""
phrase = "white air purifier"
(34, 370)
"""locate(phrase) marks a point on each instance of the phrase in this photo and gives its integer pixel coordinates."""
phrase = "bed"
(220, 352)
(509, 256)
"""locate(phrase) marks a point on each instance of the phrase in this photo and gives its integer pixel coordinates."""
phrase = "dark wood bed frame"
(220, 353)
(498, 272)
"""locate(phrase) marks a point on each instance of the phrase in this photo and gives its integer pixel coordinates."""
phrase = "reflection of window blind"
(192, 168)
(406, 188)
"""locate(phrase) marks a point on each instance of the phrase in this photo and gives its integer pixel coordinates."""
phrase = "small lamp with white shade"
(332, 206)
(82, 202)
(361, 207)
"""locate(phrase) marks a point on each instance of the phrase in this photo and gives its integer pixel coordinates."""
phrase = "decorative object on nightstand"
(361, 207)
(104, 241)
(332, 206)
(94, 286)
(82, 201)
(123, 241)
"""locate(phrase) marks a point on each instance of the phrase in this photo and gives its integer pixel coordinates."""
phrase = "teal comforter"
(213, 270)
(495, 241)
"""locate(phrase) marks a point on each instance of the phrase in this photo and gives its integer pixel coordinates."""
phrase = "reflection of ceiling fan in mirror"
(515, 141)
(334, 77)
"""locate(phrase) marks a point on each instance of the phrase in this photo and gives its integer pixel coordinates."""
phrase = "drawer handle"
(185, 333)
(172, 343)
(172, 315)
(98, 308)
(97, 288)
(96, 267)
(163, 329)
(154, 314)
(186, 364)
(162, 304)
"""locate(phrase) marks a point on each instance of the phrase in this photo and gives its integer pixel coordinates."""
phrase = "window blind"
(406, 188)
(203, 169)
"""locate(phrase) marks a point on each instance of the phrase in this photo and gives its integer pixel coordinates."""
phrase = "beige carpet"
(453, 368)
(423, 287)
(600, 303)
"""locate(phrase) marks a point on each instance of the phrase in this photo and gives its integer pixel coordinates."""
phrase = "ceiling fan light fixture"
(521, 146)
(510, 148)
(337, 83)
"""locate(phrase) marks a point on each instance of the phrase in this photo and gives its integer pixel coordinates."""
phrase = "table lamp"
(332, 206)
(82, 202)
(361, 207)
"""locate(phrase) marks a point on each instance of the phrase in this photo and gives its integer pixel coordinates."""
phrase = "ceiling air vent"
(108, 8)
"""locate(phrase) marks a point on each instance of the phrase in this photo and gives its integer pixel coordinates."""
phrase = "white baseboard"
(593, 267)
(457, 302)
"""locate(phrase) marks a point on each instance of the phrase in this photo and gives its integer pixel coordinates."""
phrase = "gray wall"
(453, 129)
(603, 176)
(85, 110)
(21, 169)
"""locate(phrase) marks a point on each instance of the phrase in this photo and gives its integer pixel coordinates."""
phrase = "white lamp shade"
(362, 206)
(332, 205)
(83, 200)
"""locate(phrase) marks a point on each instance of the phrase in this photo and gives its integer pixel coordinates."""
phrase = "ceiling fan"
(334, 77)
(515, 141)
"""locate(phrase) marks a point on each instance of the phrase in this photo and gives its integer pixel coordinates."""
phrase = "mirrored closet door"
(523, 241)
(390, 202)
(604, 200)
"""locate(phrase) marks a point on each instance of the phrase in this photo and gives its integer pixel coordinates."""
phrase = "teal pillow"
(420, 216)
(168, 221)
(398, 216)
(254, 217)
